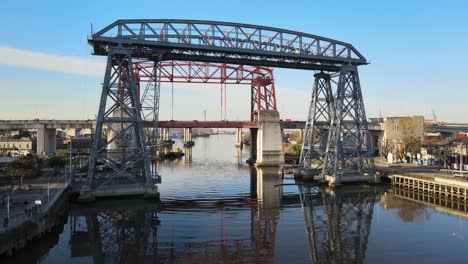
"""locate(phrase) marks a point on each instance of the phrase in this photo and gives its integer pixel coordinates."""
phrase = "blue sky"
(417, 49)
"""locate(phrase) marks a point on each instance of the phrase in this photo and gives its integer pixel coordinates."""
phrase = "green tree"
(22, 167)
(294, 149)
(64, 154)
(57, 162)
(411, 143)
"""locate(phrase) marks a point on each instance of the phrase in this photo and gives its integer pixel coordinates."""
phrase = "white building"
(15, 147)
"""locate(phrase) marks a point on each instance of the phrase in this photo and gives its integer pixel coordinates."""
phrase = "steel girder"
(120, 114)
(261, 79)
(213, 41)
(201, 72)
(262, 95)
(349, 146)
(317, 124)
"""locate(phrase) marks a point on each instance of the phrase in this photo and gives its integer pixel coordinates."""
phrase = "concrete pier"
(188, 136)
(269, 139)
(253, 144)
(440, 186)
(238, 138)
(87, 195)
(164, 133)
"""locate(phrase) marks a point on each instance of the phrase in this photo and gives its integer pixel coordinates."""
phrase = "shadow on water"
(38, 248)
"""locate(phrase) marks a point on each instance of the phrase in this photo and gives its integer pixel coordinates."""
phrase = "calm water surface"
(215, 209)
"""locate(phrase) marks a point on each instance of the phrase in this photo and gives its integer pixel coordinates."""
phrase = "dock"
(436, 185)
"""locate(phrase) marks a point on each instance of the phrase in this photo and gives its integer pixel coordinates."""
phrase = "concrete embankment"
(41, 222)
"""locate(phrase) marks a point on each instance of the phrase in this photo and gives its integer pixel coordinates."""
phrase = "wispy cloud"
(51, 62)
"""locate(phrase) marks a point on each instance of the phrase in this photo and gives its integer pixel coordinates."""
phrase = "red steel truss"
(260, 79)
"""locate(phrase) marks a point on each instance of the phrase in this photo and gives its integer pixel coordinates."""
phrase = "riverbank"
(33, 211)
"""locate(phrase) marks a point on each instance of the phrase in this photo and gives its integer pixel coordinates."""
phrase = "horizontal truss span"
(201, 72)
(212, 41)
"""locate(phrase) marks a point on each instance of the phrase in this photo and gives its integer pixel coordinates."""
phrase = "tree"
(446, 153)
(64, 154)
(294, 149)
(411, 143)
(23, 166)
(6, 185)
(57, 162)
(387, 147)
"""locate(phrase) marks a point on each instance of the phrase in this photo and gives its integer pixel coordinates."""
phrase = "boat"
(189, 144)
(172, 154)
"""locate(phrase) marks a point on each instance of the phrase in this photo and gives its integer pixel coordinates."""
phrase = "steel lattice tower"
(150, 105)
(120, 114)
(318, 122)
(349, 146)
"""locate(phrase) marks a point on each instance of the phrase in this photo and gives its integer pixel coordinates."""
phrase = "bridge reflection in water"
(337, 222)
(127, 231)
(249, 228)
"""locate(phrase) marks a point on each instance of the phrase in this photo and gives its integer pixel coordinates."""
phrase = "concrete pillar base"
(238, 138)
(307, 174)
(151, 192)
(86, 195)
(334, 181)
(269, 139)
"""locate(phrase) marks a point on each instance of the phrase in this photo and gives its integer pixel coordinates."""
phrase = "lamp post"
(8, 206)
(71, 148)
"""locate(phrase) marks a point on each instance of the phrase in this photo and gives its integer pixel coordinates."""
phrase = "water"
(215, 209)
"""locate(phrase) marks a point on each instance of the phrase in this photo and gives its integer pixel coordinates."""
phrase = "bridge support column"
(128, 169)
(46, 141)
(238, 138)
(188, 137)
(314, 140)
(348, 156)
(164, 134)
(269, 139)
(253, 145)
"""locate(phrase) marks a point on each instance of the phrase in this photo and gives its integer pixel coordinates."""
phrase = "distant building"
(81, 145)
(387, 133)
(15, 147)
(393, 130)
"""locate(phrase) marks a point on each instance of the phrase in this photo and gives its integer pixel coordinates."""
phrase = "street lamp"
(71, 148)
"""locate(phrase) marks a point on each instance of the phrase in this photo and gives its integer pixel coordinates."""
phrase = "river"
(215, 209)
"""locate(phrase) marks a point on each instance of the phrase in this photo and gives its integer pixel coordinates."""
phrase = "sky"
(418, 54)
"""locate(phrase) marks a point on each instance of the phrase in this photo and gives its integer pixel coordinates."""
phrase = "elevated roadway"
(48, 124)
